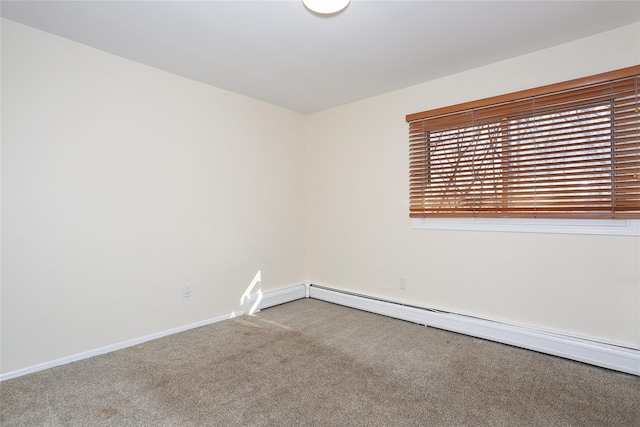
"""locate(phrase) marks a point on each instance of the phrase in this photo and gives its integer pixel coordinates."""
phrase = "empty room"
(282, 213)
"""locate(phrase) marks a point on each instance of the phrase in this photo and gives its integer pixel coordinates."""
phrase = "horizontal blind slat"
(571, 152)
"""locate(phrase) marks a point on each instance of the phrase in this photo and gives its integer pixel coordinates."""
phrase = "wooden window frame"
(498, 111)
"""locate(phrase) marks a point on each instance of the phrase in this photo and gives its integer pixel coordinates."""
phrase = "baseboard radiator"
(596, 353)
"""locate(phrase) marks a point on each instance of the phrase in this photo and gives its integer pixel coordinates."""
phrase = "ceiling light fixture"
(325, 6)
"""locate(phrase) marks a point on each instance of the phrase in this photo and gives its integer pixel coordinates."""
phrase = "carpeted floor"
(311, 363)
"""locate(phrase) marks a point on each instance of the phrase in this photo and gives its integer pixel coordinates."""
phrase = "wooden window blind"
(568, 150)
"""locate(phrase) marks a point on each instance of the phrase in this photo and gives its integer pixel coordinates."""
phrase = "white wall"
(360, 237)
(121, 183)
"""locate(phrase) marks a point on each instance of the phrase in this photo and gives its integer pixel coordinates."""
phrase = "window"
(569, 150)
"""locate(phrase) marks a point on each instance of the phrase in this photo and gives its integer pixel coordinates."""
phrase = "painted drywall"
(120, 184)
(360, 239)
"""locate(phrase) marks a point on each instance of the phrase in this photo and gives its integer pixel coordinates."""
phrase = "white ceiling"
(279, 52)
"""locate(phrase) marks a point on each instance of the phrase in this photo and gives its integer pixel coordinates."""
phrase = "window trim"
(610, 227)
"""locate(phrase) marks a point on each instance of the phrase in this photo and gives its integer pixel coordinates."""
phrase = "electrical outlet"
(186, 291)
(403, 284)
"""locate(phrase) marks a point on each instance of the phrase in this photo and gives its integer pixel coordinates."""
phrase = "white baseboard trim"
(258, 301)
(592, 352)
(110, 348)
(255, 302)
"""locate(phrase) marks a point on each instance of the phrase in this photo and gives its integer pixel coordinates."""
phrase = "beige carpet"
(311, 363)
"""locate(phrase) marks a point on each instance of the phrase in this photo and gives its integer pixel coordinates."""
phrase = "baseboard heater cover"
(599, 354)
(605, 355)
